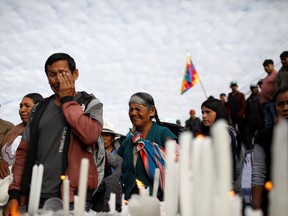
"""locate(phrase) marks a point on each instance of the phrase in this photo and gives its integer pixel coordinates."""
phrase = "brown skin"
(24, 110)
(141, 118)
(61, 80)
(282, 111)
(62, 83)
(108, 141)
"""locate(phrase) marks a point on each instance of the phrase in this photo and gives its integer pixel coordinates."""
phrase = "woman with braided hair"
(145, 135)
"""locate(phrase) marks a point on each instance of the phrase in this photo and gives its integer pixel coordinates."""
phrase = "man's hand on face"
(67, 85)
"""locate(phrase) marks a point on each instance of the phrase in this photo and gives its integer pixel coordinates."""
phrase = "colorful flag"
(190, 76)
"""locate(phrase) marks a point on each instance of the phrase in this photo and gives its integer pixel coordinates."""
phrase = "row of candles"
(200, 181)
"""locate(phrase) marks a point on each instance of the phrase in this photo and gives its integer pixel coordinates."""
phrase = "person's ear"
(152, 111)
(75, 74)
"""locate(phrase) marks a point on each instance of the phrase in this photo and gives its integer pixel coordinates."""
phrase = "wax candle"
(32, 190)
(66, 188)
(38, 188)
(171, 180)
(279, 194)
(223, 162)
(143, 206)
(156, 182)
(185, 186)
(112, 203)
(82, 189)
(207, 181)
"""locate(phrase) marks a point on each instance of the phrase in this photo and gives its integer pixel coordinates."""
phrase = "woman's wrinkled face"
(140, 115)
(24, 108)
(208, 116)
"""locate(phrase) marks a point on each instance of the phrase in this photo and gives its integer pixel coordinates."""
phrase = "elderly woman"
(213, 110)
(141, 112)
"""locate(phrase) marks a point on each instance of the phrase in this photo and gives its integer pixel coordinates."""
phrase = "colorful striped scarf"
(152, 154)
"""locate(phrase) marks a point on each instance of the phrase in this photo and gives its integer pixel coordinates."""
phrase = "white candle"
(251, 212)
(171, 180)
(279, 170)
(32, 190)
(156, 182)
(207, 180)
(143, 206)
(185, 186)
(223, 162)
(112, 203)
(197, 186)
(82, 189)
(38, 188)
(66, 188)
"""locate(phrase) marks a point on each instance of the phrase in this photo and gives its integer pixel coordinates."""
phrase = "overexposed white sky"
(123, 47)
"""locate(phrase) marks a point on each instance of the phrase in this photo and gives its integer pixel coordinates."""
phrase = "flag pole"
(199, 78)
(203, 88)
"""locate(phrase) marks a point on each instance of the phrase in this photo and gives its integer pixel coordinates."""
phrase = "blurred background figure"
(213, 110)
(261, 169)
(5, 126)
(254, 116)
(281, 79)
(236, 108)
(110, 183)
(193, 123)
(267, 93)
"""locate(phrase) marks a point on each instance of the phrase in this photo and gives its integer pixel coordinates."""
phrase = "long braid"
(157, 117)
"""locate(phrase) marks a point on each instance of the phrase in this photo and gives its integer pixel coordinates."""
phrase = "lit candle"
(171, 180)
(185, 186)
(82, 189)
(66, 188)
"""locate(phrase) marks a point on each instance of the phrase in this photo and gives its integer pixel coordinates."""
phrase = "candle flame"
(62, 177)
(231, 193)
(268, 186)
(125, 202)
(14, 209)
(200, 136)
(139, 184)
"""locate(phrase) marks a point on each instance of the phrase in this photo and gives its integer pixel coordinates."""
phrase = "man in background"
(193, 123)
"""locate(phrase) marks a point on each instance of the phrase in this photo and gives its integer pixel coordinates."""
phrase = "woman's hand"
(4, 169)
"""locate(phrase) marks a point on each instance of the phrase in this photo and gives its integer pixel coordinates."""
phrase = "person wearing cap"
(254, 115)
(281, 79)
(110, 183)
(259, 83)
(193, 123)
(267, 93)
(236, 108)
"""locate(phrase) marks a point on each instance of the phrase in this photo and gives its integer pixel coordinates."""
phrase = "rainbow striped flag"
(190, 76)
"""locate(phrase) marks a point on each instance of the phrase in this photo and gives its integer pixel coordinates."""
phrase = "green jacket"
(157, 134)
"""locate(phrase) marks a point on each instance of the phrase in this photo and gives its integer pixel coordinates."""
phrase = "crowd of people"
(60, 130)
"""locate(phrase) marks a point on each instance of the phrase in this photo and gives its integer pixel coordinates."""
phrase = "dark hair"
(146, 100)
(35, 97)
(284, 54)
(61, 56)
(217, 106)
(267, 62)
(222, 94)
(279, 91)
